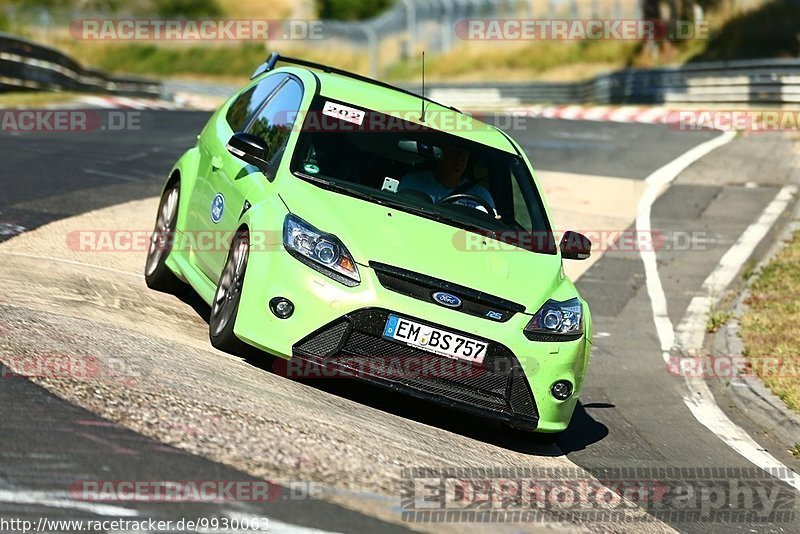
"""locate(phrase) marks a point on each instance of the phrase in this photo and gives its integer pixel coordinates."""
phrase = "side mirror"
(249, 148)
(575, 246)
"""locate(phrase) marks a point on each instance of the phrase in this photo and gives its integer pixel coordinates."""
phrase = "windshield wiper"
(441, 217)
(329, 184)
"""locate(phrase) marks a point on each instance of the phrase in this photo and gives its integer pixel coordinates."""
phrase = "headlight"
(323, 252)
(556, 321)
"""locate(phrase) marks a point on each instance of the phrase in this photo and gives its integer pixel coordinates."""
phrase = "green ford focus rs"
(338, 223)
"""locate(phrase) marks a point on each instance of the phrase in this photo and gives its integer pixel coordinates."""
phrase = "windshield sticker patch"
(310, 168)
(331, 109)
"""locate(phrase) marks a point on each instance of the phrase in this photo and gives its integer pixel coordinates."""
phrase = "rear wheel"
(225, 307)
(156, 273)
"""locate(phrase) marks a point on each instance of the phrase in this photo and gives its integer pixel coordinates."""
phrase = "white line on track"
(54, 499)
(700, 400)
(690, 334)
(71, 262)
(654, 184)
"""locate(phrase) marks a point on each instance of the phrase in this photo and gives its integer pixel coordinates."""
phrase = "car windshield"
(425, 171)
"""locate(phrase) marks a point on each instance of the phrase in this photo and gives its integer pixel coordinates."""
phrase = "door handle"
(216, 163)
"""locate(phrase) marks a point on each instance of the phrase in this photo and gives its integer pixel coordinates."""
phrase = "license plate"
(435, 340)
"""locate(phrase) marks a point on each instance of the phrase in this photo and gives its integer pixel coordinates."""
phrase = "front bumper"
(354, 346)
(321, 304)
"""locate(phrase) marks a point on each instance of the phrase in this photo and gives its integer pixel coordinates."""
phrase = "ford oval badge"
(446, 299)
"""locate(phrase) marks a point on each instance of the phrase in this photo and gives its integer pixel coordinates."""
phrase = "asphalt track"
(632, 413)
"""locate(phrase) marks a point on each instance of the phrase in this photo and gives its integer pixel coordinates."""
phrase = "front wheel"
(225, 307)
(156, 273)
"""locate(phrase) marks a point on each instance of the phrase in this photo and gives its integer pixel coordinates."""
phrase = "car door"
(230, 179)
(208, 192)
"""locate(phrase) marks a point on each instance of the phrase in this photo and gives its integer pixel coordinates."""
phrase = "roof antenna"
(422, 118)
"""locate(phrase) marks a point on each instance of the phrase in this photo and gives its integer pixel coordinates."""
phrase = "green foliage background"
(351, 9)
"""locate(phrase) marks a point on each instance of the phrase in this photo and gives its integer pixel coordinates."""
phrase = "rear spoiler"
(267, 66)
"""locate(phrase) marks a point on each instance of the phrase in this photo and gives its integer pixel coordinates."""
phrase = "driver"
(447, 175)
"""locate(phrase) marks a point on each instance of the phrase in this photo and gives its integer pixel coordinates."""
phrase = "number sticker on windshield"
(339, 111)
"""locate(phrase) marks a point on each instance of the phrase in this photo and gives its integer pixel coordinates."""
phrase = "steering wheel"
(452, 199)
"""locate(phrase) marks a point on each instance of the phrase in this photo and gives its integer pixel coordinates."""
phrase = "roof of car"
(361, 92)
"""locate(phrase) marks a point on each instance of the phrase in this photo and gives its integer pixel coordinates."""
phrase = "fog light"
(561, 390)
(281, 307)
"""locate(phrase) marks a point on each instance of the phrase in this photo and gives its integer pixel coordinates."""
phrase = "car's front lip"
(353, 345)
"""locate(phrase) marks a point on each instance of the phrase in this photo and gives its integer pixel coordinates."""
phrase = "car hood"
(372, 232)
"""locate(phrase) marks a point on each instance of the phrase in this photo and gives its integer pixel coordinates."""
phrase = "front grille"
(497, 385)
(423, 287)
(328, 341)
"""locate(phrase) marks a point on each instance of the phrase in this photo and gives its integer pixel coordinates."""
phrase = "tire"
(156, 273)
(225, 307)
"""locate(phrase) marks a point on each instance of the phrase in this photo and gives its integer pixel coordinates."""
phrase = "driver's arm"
(418, 181)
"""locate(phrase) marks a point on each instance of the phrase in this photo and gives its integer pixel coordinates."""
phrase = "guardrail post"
(447, 28)
(411, 24)
(372, 45)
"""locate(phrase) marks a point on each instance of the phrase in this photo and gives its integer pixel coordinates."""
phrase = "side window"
(244, 107)
(274, 121)
(530, 215)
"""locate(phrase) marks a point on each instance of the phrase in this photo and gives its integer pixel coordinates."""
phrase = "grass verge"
(769, 325)
(221, 62)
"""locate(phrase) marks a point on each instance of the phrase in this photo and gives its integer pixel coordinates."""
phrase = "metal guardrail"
(25, 65)
(418, 24)
(411, 26)
(768, 81)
